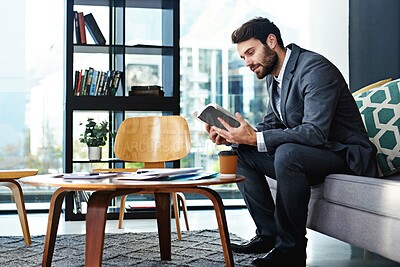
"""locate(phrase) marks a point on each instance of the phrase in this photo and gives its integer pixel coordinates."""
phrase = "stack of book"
(91, 82)
(80, 21)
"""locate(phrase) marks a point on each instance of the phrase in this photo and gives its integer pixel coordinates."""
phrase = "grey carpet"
(197, 248)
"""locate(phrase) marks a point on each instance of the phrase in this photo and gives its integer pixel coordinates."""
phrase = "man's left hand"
(244, 134)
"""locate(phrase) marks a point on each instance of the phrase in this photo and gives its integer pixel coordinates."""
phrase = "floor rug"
(197, 248)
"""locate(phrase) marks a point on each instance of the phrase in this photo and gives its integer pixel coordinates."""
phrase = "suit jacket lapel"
(287, 77)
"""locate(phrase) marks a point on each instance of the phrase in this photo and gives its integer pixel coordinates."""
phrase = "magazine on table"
(150, 174)
(158, 174)
(87, 175)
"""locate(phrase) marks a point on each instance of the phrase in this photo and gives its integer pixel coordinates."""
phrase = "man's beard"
(269, 63)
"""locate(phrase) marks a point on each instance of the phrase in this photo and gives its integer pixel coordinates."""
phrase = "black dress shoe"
(280, 258)
(258, 244)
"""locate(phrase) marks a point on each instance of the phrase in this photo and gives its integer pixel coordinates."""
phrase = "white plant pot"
(94, 152)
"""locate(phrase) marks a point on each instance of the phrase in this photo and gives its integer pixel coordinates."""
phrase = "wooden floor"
(322, 251)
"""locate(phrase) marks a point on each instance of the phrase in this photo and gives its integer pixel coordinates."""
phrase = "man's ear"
(271, 41)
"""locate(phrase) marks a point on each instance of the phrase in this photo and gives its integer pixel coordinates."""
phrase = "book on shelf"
(146, 90)
(92, 82)
(98, 82)
(88, 81)
(116, 82)
(82, 32)
(109, 82)
(78, 90)
(103, 82)
(94, 30)
(76, 82)
(76, 27)
(210, 114)
(83, 82)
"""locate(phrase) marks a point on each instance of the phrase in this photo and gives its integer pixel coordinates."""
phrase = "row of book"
(87, 21)
(91, 82)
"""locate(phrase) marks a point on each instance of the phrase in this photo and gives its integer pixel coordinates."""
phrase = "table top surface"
(18, 173)
(112, 183)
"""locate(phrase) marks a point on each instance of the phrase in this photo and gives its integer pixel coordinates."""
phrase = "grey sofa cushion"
(379, 196)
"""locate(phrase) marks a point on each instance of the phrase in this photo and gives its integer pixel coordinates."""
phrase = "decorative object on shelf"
(94, 152)
(95, 136)
(149, 90)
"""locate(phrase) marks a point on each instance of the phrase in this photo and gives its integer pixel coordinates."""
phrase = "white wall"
(329, 31)
(318, 25)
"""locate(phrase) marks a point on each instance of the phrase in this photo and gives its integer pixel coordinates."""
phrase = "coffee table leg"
(96, 217)
(221, 220)
(52, 225)
(163, 209)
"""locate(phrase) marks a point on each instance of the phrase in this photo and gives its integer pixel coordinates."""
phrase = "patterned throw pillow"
(380, 110)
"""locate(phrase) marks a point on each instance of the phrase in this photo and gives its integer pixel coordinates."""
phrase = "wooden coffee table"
(106, 189)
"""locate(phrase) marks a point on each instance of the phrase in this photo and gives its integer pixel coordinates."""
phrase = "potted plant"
(95, 136)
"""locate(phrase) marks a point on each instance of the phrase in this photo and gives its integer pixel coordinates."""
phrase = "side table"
(8, 178)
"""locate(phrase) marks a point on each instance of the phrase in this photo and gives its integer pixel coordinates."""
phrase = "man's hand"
(218, 140)
(244, 134)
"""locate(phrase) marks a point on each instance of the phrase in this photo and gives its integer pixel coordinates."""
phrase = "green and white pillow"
(380, 110)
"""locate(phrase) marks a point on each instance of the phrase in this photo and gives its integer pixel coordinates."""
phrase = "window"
(212, 71)
(31, 95)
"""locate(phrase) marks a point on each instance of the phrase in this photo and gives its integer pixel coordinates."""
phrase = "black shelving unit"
(118, 49)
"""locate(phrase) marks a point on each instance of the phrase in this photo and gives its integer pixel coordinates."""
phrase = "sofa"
(361, 211)
(364, 211)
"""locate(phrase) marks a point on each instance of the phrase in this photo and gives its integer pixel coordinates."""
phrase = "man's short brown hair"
(258, 28)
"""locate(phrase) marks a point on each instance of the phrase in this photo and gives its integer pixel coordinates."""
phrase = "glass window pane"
(210, 67)
(212, 72)
(144, 70)
(31, 94)
(148, 26)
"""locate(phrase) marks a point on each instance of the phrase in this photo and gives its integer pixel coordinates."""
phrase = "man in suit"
(312, 128)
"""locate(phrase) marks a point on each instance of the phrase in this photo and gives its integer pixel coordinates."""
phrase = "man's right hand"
(214, 137)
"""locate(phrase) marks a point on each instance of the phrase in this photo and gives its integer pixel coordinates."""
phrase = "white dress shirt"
(261, 147)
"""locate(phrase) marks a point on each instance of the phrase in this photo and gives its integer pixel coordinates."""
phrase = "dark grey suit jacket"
(317, 110)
